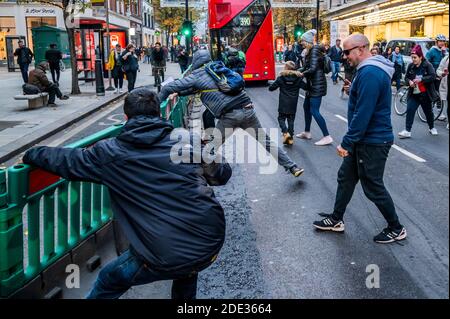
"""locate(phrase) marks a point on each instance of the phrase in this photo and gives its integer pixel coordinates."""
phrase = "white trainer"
(404, 134)
(304, 135)
(433, 131)
(326, 140)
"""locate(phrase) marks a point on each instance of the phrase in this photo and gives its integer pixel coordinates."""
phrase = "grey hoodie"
(380, 62)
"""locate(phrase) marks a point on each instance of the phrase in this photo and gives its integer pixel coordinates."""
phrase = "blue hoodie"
(369, 106)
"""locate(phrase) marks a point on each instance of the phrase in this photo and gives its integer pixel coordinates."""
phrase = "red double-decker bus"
(247, 25)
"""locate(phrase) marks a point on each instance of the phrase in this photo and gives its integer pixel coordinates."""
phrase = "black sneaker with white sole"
(328, 223)
(389, 236)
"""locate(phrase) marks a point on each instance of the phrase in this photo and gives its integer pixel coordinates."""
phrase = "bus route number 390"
(244, 21)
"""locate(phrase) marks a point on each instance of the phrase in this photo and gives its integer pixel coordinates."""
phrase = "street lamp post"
(317, 20)
(108, 36)
(188, 44)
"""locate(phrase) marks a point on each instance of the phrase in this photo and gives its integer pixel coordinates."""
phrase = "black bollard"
(99, 83)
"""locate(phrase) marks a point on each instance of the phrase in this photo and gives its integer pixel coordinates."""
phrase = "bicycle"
(159, 74)
(401, 102)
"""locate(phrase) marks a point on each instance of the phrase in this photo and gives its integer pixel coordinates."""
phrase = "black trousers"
(24, 71)
(53, 91)
(282, 117)
(55, 70)
(117, 74)
(131, 78)
(366, 163)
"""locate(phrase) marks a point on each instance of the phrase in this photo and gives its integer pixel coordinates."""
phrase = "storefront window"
(7, 27)
(34, 22)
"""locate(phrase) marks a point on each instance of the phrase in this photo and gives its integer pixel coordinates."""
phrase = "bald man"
(365, 146)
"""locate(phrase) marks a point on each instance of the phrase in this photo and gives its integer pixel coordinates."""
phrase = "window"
(7, 27)
(242, 29)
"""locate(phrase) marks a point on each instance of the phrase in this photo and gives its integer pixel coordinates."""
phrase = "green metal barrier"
(42, 216)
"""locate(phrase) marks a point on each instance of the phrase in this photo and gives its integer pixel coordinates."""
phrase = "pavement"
(21, 127)
(271, 249)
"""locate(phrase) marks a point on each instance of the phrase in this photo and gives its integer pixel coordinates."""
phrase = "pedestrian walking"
(399, 67)
(335, 55)
(130, 65)
(365, 146)
(289, 54)
(39, 78)
(24, 57)
(169, 239)
(116, 67)
(442, 72)
(183, 60)
(54, 57)
(232, 110)
(289, 82)
(316, 88)
(420, 76)
(349, 74)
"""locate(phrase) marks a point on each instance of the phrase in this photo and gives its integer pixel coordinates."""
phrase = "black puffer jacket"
(167, 211)
(425, 69)
(314, 73)
(290, 84)
(217, 102)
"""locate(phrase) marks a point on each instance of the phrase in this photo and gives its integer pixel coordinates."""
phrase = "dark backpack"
(228, 81)
(30, 89)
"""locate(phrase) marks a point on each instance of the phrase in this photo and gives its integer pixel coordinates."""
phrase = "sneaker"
(304, 135)
(389, 236)
(64, 97)
(296, 171)
(404, 134)
(433, 131)
(326, 140)
(116, 91)
(286, 137)
(328, 223)
(51, 104)
(120, 91)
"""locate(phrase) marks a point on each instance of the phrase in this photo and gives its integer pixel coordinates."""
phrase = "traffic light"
(298, 31)
(186, 28)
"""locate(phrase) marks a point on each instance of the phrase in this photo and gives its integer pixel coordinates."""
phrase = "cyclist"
(158, 60)
(420, 75)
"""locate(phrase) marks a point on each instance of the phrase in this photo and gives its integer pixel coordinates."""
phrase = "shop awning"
(395, 10)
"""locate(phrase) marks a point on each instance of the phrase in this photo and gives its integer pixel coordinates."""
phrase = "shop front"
(17, 22)
(382, 21)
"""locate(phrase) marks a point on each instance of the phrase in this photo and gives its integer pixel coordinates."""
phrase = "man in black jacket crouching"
(175, 225)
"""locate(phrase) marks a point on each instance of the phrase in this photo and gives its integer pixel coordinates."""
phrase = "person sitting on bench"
(38, 78)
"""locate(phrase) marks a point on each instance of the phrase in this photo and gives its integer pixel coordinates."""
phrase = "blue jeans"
(336, 66)
(311, 106)
(131, 270)
(24, 71)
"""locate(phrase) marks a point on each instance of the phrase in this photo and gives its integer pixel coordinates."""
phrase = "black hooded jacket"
(290, 84)
(167, 210)
(314, 72)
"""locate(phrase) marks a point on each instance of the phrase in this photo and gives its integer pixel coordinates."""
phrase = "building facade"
(383, 20)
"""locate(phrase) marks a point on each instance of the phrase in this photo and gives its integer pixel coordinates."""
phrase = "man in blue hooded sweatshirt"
(365, 146)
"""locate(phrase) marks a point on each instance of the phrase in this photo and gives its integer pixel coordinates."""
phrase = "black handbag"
(30, 89)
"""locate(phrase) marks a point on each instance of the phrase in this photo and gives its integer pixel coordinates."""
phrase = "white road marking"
(409, 154)
(394, 146)
(83, 126)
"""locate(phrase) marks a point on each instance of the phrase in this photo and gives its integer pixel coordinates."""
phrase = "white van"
(406, 45)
